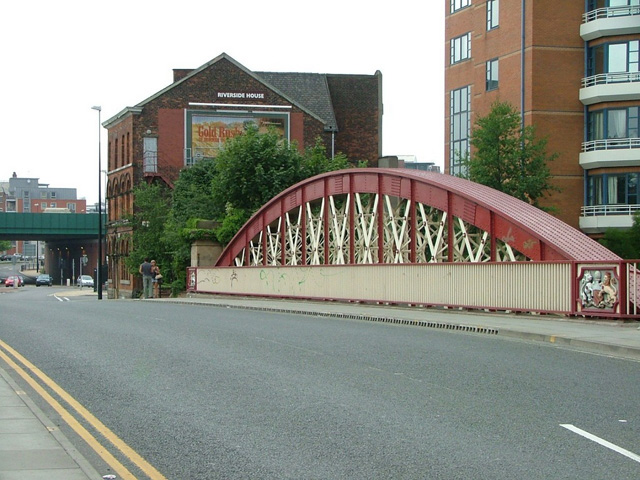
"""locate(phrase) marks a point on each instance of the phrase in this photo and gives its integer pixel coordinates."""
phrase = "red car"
(9, 282)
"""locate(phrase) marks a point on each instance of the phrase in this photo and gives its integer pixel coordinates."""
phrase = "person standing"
(147, 278)
(155, 276)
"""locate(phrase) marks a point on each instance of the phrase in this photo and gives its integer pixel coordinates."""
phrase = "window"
(492, 74)
(596, 125)
(493, 14)
(43, 205)
(614, 58)
(613, 189)
(614, 123)
(595, 4)
(459, 4)
(43, 194)
(460, 106)
(54, 205)
(150, 154)
(461, 48)
(71, 207)
(53, 194)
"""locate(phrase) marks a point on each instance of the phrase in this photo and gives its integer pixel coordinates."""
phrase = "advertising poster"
(209, 131)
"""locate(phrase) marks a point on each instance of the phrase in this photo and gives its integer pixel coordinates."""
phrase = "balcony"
(597, 218)
(613, 152)
(610, 21)
(610, 87)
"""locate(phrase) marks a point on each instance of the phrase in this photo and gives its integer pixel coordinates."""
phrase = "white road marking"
(602, 442)
(60, 299)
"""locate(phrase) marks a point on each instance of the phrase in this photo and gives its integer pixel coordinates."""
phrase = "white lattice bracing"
(293, 245)
(315, 234)
(256, 249)
(365, 231)
(431, 235)
(470, 243)
(330, 219)
(274, 247)
(339, 231)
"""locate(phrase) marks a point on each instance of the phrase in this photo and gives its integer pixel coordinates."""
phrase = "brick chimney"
(180, 73)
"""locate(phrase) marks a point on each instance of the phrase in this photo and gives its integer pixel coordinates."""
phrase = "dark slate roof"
(310, 90)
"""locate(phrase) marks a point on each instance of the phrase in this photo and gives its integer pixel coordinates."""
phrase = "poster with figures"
(598, 289)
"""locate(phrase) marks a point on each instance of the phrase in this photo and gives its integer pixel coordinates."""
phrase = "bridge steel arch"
(419, 238)
(372, 216)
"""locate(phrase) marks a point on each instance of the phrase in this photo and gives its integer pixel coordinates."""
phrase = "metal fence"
(610, 12)
(611, 78)
(608, 210)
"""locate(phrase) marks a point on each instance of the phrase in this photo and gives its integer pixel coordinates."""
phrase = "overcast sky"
(61, 58)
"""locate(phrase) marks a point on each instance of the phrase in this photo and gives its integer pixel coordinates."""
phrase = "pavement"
(33, 448)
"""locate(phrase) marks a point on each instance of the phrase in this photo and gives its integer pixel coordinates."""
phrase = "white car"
(85, 281)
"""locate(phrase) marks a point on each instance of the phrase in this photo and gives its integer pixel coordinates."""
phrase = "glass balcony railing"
(611, 78)
(610, 144)
(611, 12)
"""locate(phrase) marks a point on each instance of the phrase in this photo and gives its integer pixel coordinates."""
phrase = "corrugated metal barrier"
(542, 287)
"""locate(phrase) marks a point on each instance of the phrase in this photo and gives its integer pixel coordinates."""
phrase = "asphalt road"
(206, 393)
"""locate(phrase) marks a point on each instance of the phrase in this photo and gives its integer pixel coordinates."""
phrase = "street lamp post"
(37, 243)
(99, 271)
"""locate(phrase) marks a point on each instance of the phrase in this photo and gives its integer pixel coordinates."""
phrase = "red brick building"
(572, 69)
(193, 117)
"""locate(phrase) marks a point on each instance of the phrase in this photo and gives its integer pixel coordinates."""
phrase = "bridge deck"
(48, 226)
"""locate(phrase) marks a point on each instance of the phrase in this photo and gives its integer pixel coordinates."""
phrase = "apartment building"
(572, 69)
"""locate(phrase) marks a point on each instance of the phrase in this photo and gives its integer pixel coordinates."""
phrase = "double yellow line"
(113, 462)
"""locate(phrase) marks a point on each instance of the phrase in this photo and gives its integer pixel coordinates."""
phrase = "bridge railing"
(588, 289)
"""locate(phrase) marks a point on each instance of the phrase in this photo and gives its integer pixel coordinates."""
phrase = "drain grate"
(369, 318)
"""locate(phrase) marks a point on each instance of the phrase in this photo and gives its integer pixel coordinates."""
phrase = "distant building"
(407, 161)
(28, 195)
(412, 163)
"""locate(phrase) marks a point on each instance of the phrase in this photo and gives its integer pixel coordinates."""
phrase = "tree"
(5, 245)
(250, 170)
(508, 157)
(152, 206)
(192, 195)
(625, 243)
(254, 167)
(191, 200)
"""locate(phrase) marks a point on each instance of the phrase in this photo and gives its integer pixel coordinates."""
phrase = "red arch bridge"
(417, 238)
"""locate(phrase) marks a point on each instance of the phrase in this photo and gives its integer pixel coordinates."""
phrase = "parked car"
(85, 281)
(44, 279)
(13, 280)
